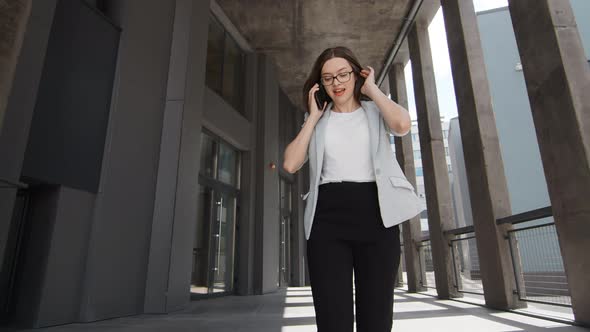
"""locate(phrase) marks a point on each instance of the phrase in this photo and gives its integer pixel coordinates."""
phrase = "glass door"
(222, 243)
(201, 261)
(214, 242)
(213, 249)
(285, 234)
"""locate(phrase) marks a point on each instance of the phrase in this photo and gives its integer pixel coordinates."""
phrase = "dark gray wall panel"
(120, 235)
(187, 189)
(19, 110)
(163, 220)
(66, 256)
(267, 215)
(68, 131)
(225, 122)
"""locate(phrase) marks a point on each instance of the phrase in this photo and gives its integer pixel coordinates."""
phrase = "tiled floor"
(292, 311)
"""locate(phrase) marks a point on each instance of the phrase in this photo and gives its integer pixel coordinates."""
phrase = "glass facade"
(225, 66)
(285, 233)
(227, 166)
(214, 239)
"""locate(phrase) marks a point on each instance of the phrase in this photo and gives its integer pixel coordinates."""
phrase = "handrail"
(11, 184)
(526, 216)
(514, 219)
(460, 231)
(531, 227)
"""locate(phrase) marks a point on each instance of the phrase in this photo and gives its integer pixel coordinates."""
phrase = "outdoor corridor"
(292, 311)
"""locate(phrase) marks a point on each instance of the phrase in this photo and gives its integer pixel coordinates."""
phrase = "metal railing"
(540, 276)
(466, 264)
(536, 259)
(426, 267)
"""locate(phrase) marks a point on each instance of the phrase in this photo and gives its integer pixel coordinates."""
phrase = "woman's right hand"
(312, 105)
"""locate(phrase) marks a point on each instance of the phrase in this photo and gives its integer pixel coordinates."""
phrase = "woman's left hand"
(369, 76)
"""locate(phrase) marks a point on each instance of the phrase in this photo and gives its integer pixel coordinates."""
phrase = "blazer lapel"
(373, 120)
(320, 141)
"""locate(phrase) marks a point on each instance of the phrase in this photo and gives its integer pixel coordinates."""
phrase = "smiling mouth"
(338, 92)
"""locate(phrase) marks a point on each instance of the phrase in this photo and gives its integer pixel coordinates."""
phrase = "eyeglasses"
(342, 78)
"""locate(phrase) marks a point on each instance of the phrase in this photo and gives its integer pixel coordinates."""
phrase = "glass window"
(215, 44)
(228, 160)
(417, 155)
(233, 68)
(208, 153)
(419, 171)
(225, 65)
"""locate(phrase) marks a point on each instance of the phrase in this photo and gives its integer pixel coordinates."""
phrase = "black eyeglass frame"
(336, 78)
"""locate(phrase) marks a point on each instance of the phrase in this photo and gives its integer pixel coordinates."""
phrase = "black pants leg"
(348, 234)
(330, 273)
(375, 267)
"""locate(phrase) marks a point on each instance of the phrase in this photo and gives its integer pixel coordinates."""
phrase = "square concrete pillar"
(411, 230)
(436, 175)
(483, 160)
(558, 81)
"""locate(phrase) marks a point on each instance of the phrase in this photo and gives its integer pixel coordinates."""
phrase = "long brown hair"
(316, 72)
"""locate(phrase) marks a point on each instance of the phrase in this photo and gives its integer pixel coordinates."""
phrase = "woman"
(358, 194)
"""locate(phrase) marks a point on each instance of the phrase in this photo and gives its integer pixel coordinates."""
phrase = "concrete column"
(436, 176)
(187, 189)
(122, 218)
(483, 160)
(14, 15)
(558, 80)
(247, 213)
(411, 230)
(266, 255)
(158, 287)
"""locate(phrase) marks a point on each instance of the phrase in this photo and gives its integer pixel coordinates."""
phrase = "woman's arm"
(395, 116)
(296, 151)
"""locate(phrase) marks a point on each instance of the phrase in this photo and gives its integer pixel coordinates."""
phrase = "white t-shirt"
(347, 154)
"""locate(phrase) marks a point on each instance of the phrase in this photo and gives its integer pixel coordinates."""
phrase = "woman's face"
(340, 92)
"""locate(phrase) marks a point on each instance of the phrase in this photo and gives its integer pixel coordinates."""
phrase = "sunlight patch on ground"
(452, 324)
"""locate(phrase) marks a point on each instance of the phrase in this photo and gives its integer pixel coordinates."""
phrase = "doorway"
(215, 234)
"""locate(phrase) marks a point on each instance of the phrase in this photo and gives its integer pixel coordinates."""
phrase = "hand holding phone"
(321, 97)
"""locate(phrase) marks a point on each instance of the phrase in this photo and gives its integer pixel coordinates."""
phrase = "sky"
(441, 63)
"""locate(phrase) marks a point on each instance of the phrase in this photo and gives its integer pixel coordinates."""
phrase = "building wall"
(460, 187)
(581, 10)
(518, 143)
(420, 190)
(522, 162)
(19, 109)
(128, 247)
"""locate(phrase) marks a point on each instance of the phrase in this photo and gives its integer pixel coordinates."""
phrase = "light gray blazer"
(397, 200)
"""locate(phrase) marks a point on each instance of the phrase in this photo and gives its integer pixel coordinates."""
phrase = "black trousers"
(348, 235)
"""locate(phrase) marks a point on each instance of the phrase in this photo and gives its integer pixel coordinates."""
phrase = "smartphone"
(321, 96)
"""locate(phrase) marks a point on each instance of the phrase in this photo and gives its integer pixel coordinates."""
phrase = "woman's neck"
(347, 107)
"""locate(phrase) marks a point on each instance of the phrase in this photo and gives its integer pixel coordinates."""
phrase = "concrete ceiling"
(294, 32)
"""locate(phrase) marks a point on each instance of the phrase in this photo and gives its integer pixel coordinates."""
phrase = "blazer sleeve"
(391, 131)
(305, 116)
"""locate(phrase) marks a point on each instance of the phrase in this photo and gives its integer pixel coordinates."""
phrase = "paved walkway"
(292, 311)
